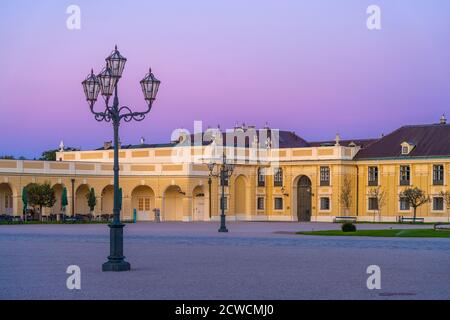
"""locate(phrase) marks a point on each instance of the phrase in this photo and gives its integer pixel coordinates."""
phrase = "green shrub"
(348, 227)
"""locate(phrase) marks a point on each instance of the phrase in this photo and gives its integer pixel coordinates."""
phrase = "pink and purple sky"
(310, 66)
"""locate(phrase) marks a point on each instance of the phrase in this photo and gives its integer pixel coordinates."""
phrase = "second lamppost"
(106, 82)
(225, 171)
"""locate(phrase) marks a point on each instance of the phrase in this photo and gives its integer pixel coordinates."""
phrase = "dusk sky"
(310, 66)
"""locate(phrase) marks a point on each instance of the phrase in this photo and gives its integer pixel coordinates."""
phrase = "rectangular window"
(261, 177)
(278, 203)
(278, 177)
(6, 201)
(224, 202)
(325, 203)
(405, 175)
(261, 202)
(324, 176)
(438, 175)
(438, 204)
(404, 204)
(143, 204)
(373, 176)
(147, 204)
(373, 203)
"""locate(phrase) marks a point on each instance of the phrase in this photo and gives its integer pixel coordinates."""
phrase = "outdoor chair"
(80, 217)
(107, 217)
(68, 219)
(17, 219)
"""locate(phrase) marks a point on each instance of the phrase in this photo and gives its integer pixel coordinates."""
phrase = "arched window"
(278, 177)
(261, 177)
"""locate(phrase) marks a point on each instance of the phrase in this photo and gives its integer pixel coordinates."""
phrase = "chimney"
(443, 120)
(107, 145)
(142, 140)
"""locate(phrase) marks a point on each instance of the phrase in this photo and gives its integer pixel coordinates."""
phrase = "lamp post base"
(116, 261)
(223, 227)
(116, 265)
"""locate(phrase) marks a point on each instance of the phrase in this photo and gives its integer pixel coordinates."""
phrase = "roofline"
(346, 140)
(425, 125)
(403, 158)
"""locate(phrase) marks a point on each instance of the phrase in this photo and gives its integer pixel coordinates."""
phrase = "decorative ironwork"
(107, 83)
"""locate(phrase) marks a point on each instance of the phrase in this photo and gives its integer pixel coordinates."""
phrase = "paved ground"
(257, 260)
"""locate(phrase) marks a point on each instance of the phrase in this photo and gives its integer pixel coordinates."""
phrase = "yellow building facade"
(291, 180)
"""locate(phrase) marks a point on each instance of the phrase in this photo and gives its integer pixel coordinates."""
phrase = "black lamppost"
(107, 82)
(225, 171)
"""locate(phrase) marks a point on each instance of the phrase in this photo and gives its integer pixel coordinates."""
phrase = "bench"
(6, 218)
(403, 219)
(10, 219)
(344, 219)
(442, 227)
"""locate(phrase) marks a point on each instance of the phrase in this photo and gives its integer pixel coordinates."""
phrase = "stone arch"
(143, 200)
(302, 198)
(199, 203)
(173, 204)
(32, 210)
(107, 203)
(6, 199)
(240, 196)
(81, 202)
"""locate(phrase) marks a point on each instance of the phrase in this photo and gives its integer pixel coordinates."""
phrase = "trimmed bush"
(348, 227)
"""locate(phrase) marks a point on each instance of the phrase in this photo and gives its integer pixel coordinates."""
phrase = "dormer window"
(407, 147)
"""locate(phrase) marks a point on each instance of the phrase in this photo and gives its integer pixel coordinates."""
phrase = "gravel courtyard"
(255, 260)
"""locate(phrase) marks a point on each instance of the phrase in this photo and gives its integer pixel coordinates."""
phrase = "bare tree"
(346, 194)
(415, 197)
(446, 196)
(380, 197)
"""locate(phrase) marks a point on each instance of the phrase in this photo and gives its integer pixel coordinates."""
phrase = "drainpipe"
(73, 196)
(357, 190)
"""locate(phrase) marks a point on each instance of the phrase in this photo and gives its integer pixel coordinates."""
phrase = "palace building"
(278, 176)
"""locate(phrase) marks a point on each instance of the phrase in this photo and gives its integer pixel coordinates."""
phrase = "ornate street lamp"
(225, 171)
(106, 82)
